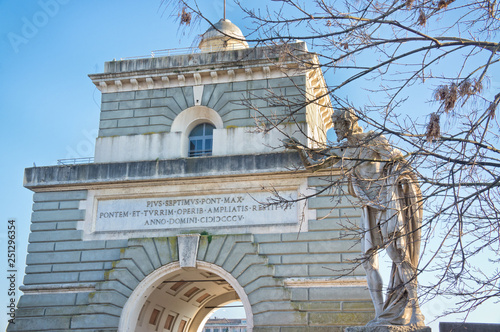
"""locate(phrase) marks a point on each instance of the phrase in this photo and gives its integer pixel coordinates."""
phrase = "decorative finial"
(224, 10)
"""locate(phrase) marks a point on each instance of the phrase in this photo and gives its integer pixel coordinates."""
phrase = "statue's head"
(345, 123)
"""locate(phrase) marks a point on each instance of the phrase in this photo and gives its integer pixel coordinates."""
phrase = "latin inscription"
(230, 210)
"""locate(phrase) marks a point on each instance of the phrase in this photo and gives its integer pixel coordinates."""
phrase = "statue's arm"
(382, 147)
(327, 157)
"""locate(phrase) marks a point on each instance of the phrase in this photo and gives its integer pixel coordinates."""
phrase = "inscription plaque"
(223, 210)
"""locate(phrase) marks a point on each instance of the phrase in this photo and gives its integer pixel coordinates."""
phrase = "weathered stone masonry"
(75, 284)
(149, 111)
(292, 276)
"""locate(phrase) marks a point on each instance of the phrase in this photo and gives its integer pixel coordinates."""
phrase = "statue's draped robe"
(391, 201)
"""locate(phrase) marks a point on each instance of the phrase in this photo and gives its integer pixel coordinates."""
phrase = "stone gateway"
(172, 219)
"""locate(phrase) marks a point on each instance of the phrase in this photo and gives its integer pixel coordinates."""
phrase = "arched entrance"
(175, 299)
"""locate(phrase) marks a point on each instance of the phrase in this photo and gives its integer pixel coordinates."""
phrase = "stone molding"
(325, 282)
(200, 68)
(58, 288)
(142, 81)
(36, 178)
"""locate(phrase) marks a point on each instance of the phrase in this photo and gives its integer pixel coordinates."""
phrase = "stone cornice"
(159, 79)
(41, 178)
(204, 68)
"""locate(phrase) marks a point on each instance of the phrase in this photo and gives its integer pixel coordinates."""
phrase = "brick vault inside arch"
(175, 299)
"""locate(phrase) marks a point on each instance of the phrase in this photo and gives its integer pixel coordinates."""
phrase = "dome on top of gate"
(222, 36)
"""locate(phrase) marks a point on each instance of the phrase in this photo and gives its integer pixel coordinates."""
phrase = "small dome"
(223, 36)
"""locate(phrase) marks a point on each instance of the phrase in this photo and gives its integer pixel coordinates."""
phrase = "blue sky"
(50, 108)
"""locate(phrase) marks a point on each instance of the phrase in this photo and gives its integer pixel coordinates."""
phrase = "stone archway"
(172, 297)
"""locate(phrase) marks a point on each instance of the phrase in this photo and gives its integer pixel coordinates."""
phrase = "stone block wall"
(153, 111)
(327, 250)
(81, 285)
(62, 270)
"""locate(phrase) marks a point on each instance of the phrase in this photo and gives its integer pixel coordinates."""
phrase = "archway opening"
(172, 299)
(227, 318)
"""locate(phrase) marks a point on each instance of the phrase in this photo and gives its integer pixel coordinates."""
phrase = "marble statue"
(387, 189)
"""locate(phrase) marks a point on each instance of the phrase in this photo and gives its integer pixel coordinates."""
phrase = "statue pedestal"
(388, 328)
